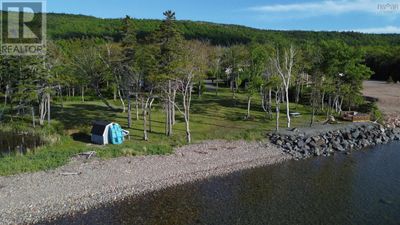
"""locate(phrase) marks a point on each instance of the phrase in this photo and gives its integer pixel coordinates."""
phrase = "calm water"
(361, 188)
(17, 143)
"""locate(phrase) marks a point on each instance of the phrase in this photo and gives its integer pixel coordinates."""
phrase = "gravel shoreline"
(41, 196)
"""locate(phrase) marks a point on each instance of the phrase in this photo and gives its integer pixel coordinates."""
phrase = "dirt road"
(388, 95)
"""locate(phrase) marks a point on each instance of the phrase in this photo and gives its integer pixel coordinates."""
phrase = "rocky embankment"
(328, 139)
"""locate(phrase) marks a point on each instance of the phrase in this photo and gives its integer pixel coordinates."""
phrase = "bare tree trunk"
(233, 89)
(188, 135)
(5, 102)
(6, 95)
(287, 107)
(150, 110)
(166, 117)
(129, 111)
(96, 88)
(60, 94)
(137, 106)
(168, 126)
(83, 93)
(277, 110)
(285, 72)
(171, 108)
(217, 87)
(313, 107)
(312, 116)
(41, 112)
(33, 117)
(266, 102)
(171, 118)
(173, 113)
(145, 137)
(48, 108)
(336, 103)
(340, 105)
(263, 100)
(298, 89)
(73, 91)
(199, 87)
(187, 96)
(270, 96)
(122, 101)
(248, 106)
(328, 112)
(115, 93)
(42, 109)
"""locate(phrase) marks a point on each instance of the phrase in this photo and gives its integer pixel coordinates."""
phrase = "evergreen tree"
(128, 41)
(170, 42)
(131, 79)
(169, 39)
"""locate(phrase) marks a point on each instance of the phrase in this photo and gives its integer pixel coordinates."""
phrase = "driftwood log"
(87, 154)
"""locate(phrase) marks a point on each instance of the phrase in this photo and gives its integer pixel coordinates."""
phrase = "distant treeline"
(381, 50)
(61, 26)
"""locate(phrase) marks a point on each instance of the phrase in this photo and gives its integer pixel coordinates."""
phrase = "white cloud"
(380, 30)
(327, 7)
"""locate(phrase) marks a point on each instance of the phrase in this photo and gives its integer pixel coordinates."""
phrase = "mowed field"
(212, 117)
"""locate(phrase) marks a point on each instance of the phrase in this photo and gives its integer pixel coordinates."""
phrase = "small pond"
(18, 143)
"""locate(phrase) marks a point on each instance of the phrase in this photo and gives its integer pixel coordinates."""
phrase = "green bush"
(390, 80)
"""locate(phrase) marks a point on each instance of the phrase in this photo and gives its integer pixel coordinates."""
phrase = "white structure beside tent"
(100, 132)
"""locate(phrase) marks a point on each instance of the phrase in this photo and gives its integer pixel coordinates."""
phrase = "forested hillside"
(61, 26)
(380, 49)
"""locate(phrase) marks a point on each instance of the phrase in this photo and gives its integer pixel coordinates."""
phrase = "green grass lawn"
(212, 117)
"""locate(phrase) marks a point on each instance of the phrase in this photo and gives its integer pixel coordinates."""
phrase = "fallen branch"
(87, 154)
(70, 173)
(200, 152)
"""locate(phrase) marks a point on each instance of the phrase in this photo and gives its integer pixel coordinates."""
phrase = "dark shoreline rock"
(327, 139)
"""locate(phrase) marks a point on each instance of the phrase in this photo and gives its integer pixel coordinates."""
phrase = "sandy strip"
(79, 186)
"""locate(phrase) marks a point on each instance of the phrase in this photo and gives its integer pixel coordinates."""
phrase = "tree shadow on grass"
(81, 137)
(82, 114)
(229, 103)
(141, 130)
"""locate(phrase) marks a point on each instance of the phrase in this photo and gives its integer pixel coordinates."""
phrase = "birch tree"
(284, 65)
(234, 59)
(253, 71)
(215, 64)
(147, 99)
(192, 70)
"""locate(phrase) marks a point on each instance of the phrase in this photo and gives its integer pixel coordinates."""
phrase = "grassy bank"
(213, 117)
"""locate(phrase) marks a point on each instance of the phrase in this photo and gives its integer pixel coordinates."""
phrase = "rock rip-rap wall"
(307, 142)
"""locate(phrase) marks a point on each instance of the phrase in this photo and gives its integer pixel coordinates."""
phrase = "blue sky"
(369, 16)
